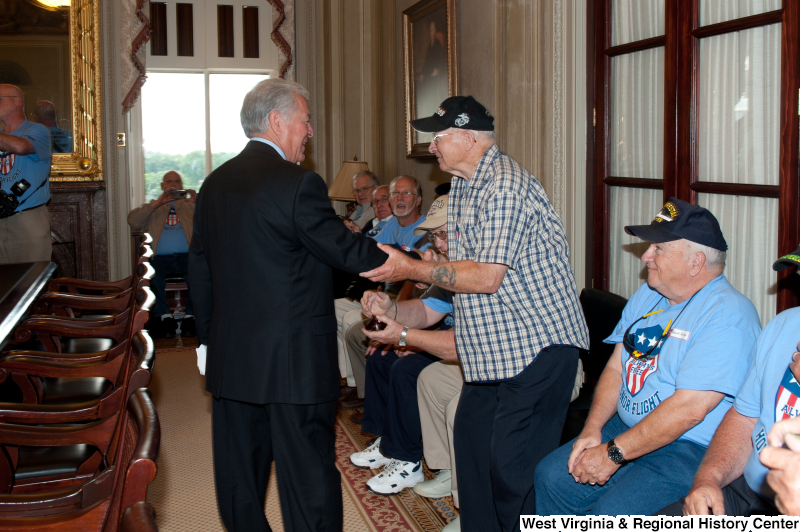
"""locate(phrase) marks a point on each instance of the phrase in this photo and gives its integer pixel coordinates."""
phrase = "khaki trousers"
(25, 237)
(356, 343)
(347, 311)
(438, 391)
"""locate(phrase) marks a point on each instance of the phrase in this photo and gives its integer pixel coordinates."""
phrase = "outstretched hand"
(397, 267)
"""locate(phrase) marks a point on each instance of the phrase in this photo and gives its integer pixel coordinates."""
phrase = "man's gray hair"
(417, 186)
(372, 176)
(267, 96)
(715, 259)
(488, 136)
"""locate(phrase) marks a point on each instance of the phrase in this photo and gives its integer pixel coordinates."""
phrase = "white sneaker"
(396, 476)
(438, 486)
(453, 526)
(370, 458)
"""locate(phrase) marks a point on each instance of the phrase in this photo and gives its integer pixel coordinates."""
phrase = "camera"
(178, 194)
(9, 202)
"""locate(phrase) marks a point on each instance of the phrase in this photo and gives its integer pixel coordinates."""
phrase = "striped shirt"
(503, 216)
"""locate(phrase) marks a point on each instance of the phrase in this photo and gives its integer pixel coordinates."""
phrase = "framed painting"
(430, 44)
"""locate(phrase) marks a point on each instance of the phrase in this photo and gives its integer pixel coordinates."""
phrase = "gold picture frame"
(428, 55)
(85, 163)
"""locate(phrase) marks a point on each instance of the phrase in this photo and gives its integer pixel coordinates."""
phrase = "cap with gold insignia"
(792, 259)
(462, 112)
(677, 220)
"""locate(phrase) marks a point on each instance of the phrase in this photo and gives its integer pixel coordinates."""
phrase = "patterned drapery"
(135, 34)
(283, 35)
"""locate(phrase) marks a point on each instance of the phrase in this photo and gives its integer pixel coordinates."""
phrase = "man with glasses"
(364, 184)
(682, 351)
(405, 197)
(731, 480)
(519, 324)
(25, 154)
(383, 210)
(390, 401)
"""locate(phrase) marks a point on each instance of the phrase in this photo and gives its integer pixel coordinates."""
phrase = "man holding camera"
(25, 155)
(168, 219)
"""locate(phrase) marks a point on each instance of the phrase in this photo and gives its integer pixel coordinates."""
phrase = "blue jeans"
(641, 487)
(166, 265)
(391, 410)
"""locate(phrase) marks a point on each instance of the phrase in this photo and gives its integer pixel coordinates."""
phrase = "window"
(697, 99)
(190, 124)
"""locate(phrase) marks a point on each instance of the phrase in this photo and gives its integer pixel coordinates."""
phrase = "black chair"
(603, 311)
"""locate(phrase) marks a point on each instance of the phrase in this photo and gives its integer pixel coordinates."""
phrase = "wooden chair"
(95, 504)
(139, 517)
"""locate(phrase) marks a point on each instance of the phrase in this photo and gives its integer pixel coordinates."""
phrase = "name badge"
(679, 334)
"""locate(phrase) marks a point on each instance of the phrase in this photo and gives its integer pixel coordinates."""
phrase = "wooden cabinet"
(78, 225)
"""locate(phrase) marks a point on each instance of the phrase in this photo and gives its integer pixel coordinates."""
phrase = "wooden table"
(20, 284)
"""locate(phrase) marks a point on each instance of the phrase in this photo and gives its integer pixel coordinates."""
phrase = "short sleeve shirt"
(440, 300)
(707, 347)
(33, 168)
(502, 215)
(394, 233)
(770, 392)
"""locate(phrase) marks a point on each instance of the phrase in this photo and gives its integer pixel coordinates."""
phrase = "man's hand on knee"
(702, 497)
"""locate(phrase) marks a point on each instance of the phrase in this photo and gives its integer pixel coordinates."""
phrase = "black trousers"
(301, 440)
(740, 500)
(502, 431)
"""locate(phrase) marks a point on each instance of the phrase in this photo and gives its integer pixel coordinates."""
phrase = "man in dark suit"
(265, 238)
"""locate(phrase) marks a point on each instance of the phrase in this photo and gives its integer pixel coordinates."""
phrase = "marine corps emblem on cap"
(669, 212)
(462, 120)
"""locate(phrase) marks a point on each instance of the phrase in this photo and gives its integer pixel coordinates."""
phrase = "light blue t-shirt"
(393, 233)
(708, 348)
(33, 168)
(377, 226)
(173, 239)
(770, 391)
(440, 300)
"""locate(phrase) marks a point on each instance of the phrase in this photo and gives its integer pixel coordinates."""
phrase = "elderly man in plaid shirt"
(519, 324)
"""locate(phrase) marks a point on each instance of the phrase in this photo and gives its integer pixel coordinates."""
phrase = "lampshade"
(342, 187)
(52, 5)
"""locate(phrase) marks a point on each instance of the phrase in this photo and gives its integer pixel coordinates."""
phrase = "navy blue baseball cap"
(462, 112)
(792, 259)
(678, 219)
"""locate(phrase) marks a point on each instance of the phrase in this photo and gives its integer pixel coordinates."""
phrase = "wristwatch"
(615, 453)
(402, 342)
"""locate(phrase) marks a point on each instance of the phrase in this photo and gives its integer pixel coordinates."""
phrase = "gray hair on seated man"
(267, 96)
(371, 175)
(417, 186)
(715, 258)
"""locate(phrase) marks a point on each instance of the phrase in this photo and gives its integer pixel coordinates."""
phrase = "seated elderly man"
(390, 402)
(731, 480)
(682, 350)
(364, 184)
(782, 457)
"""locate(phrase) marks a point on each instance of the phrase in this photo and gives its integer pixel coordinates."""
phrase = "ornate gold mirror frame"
(85, 163)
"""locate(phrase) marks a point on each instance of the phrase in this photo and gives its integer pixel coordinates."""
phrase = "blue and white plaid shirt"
(503, 216)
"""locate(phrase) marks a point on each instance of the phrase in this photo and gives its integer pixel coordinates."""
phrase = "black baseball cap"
(792, 259)
(462, 112)
(678, 219)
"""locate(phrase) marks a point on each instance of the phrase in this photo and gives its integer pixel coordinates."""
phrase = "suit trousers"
(438, 391)
(390, 403)
(502, 431)
(301, 439)
(25, 237)
(356, 342)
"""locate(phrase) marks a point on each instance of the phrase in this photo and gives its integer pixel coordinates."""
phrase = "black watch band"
(615, 453)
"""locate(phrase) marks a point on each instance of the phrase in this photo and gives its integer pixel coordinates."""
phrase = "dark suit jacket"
(265, 238)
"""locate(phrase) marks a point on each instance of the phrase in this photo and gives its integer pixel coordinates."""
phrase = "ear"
(697, 263)
(276, 121)
(468, 140)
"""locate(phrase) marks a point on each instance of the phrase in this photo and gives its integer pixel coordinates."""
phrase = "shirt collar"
(265, 141)
(480, 173)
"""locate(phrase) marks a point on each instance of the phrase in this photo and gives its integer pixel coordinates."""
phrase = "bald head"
(45, 113)
(171, 181)
(12, 102)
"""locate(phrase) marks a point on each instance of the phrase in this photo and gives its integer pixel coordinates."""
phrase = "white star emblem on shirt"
(641, 338)
(652, 341)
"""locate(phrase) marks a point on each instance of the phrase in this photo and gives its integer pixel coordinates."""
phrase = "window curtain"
(135, 34)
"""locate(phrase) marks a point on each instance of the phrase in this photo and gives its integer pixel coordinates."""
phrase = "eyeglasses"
(440, 135)
(382, 199)
(406, 194)
(364, 189)
(441, 235)
(629, 343)
(1, 97)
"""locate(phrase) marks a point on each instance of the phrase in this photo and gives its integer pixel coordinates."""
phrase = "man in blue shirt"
(731, 480)
(25, 155)
(46, 115)
(169, 220)
(682, 351)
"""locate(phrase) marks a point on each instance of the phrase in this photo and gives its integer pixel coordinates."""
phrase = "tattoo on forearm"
(444, 275)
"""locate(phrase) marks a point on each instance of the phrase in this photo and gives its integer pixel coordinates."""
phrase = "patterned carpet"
(183, 490)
